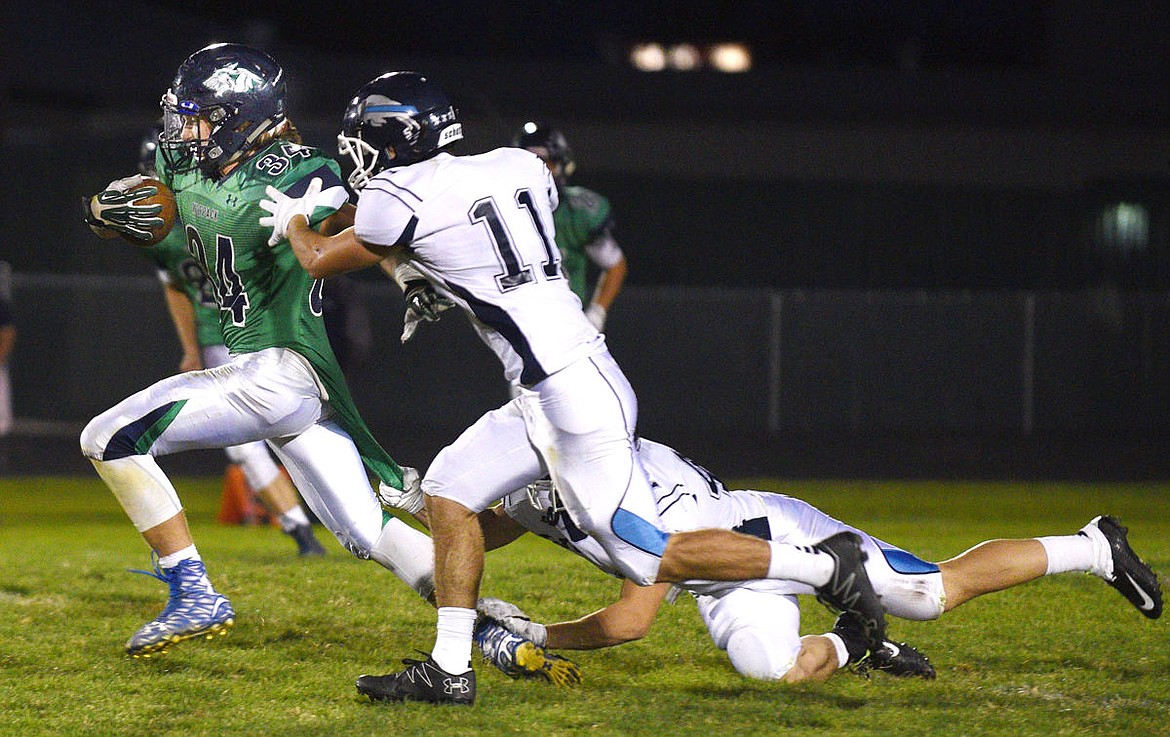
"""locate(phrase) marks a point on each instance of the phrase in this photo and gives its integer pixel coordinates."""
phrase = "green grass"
(1062, 656)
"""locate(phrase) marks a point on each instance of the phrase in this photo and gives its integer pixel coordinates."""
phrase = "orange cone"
(236, 506)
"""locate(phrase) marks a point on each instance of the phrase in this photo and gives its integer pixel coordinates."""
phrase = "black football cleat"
(308, 546)
(898, 659)
(850, 590)
(420, 680)
(1134, 579)
(895, 658)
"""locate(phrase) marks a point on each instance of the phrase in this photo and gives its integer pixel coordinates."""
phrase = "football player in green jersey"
(584, 225)
(225, 139)
(190, 302)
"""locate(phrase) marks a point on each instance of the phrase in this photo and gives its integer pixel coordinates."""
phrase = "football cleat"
(1134, 579)
(194, 609)
(517, 657)
(849, 589)
(421, 680)
(308, 546)
(897, 659)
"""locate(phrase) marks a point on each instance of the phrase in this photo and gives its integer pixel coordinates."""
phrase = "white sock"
(839, 644)
(452, 650)
(172, 560)
(294, 518)
(1080, 552)
(799, 563)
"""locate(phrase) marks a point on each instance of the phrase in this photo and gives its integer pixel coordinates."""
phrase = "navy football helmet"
(549, 144)
(396, 119)
(238, 90)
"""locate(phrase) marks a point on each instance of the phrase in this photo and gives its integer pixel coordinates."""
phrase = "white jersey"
(481, 229)
(688, 497)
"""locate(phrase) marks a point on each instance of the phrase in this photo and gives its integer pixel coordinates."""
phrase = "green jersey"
(175, 263)
(265, 299)
(580, 218)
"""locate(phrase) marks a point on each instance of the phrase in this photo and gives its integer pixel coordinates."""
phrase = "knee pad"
(756, 655)
(93, 439)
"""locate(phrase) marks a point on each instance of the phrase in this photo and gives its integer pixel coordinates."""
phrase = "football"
(169, 212)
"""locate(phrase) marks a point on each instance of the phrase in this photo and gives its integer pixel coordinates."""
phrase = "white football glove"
(512, 618)
(284, 208)
(126, 183)
(596, 314)
(409, 498)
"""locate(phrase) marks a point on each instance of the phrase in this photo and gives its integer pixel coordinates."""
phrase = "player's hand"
(285, 208)
(116, 208)
(423, 303)
(409, 498)
(596, 315)
(512, 618)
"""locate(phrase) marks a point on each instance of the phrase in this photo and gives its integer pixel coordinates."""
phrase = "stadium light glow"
(684, 57)
(648, 57)
(733, 58)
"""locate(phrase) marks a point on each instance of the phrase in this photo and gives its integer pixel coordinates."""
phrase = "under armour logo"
(457, 685)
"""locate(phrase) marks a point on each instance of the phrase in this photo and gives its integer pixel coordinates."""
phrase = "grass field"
(1062, 656)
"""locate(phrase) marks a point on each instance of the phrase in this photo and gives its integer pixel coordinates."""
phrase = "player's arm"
(607, 255)
(182, 313)
(498, 528)
(328, 255)
(627, 619)
(609, 285)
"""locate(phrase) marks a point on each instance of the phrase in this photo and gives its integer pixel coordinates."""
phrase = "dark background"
(916, 194)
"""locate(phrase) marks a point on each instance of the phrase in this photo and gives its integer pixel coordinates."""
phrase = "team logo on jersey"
(231, 78)
(381, 110)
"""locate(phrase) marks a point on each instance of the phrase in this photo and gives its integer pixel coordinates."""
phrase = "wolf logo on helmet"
(232, 78)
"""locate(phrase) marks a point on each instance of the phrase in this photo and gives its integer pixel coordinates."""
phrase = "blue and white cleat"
(194, 609)
(517, 657)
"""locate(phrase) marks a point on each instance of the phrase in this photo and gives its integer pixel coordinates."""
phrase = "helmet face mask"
(397, 119)
(223, 99)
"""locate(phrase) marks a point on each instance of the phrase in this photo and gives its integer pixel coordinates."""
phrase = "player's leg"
(761, 634)
(190, 410)
(264, 477)
(1100, 547)
(327, 468)
(276, 492)
(490, 459)
(582, 420)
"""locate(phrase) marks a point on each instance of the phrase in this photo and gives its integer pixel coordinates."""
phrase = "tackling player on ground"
(758, 622)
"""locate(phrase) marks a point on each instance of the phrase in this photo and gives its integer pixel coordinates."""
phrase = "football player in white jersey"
(757, 622)
(478, 231)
